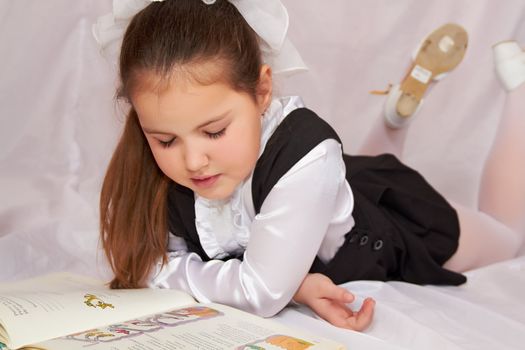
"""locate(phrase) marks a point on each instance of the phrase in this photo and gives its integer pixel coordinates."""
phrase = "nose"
(195, 158)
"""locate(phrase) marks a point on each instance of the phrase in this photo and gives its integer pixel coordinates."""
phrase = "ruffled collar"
(223, 226)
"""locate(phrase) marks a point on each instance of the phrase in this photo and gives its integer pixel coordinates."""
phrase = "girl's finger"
(337, 294)
(363, 318)
(337, 317)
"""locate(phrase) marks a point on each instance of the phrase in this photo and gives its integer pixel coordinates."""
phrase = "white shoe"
(393, 118)
(509, 59)
(440, 52)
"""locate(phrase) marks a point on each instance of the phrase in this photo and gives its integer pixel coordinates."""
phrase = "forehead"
(179, 99)
(179, 105)
(183, 83)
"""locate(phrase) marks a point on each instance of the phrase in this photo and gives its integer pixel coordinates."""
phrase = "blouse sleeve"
(285, 238)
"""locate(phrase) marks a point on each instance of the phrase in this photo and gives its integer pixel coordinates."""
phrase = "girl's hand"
(328, 301)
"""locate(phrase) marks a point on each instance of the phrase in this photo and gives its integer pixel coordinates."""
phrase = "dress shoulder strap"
(295, 136)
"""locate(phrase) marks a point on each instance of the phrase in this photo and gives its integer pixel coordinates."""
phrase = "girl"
(251, 195)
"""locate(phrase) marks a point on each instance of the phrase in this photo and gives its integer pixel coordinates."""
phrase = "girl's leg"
(496, 232)
(482, 241)
(502, 192)
(485, 238)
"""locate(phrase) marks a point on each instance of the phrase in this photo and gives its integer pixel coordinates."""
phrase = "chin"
(214, 195)
(221, 190)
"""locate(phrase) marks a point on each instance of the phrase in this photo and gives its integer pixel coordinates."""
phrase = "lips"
(205, 181)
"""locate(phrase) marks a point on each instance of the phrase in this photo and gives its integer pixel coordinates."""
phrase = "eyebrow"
(218, 118)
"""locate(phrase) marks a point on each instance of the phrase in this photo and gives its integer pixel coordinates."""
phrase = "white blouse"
(307, 213)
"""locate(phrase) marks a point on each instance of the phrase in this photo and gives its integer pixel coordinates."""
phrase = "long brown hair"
(166, 37)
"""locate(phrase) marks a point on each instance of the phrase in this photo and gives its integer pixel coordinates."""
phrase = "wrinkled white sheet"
(486, 313)
(59, 124)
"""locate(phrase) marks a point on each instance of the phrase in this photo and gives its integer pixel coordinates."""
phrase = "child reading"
(221, 189)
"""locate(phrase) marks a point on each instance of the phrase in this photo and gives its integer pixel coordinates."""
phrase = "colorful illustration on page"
(140, 326)
(94, 301)
(278, 342)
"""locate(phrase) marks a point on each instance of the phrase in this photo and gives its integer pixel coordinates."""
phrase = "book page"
(207, 327)
(47, 307)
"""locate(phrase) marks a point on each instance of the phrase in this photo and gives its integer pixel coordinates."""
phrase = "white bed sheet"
(486, 313)
(59, 124)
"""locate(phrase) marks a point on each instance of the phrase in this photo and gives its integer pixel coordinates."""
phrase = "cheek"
(241, 150)
(235, 153)
(168, 162)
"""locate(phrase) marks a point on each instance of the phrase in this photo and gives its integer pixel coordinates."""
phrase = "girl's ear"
(264, 89)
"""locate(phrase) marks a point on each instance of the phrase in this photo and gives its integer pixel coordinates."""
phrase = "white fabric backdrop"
(59, 122)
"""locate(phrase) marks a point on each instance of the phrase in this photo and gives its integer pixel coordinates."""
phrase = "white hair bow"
(268, 18)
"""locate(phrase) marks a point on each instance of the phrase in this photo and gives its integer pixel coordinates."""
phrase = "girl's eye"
(216, 135)
(166, 144)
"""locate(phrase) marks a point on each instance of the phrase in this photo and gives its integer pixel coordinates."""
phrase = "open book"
(66, 311)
